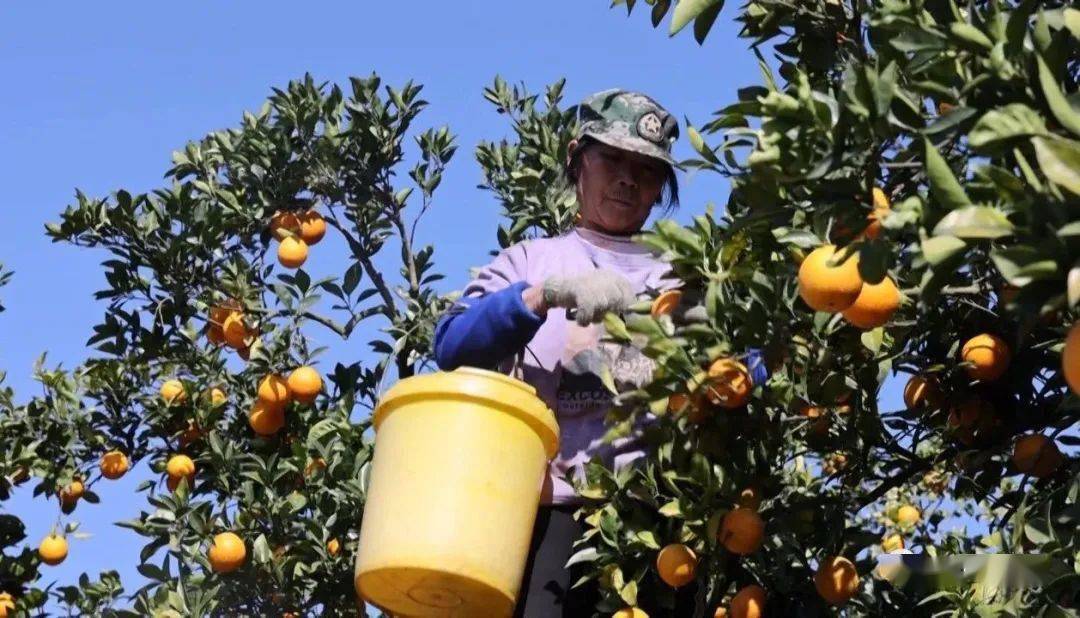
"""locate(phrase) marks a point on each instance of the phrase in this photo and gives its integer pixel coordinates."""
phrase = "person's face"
(617, 188)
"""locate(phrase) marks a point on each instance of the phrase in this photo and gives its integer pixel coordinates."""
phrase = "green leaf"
(1022, 264)
(940, 248)
(1060, 161)
(616, 328)
(874, 261)
(1005, 123)
(688, 10)
(260, 550)
(700, 146)
(872, 339)
(967, 33)
(1072, 285)
(704, 22)
(974, 222)
(1072, 22)
(943, 184)
(1055, 99)
(671, 509)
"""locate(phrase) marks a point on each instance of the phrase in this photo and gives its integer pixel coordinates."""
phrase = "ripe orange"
(227, 553)
(180, 466)
(677, 403)
(922, 390)
(71, 494)
(630, 612)
(750, 498)
(312, 227)
(218, 313)
(7, 605)
(283, 224)
(266, 419)
(907, 516)
(748, 602)
(892, 543)
(676, 564)
(665, 303)
(881, 210)
(114, 464)
(292, 253)
(742, 531)
(834, 463)
(235, 331)
(274, 391)
(987, 355)
(1037, 455)
(836, 580)
(819, 422)
(304, 384)
(728, 383)
(53, 549)
(875, 305)
(721, 612)
(172, 392)
(1070, 358)
(829, 288)
(333, 546)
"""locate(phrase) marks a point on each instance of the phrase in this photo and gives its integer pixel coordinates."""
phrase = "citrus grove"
(900, 187)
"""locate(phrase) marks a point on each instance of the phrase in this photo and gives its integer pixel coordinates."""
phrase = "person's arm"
(491, 328)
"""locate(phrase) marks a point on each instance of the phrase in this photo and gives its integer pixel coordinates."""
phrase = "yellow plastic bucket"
(459, 461)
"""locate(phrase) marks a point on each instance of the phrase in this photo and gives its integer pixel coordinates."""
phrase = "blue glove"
(755, 363)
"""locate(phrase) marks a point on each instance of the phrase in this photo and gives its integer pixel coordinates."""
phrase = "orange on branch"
(305, 384)
(728, 383)
(1037, 455)
(829, 287)
(235, 331)
(114, 464)
(742, 531)
(892, 543)
(665, 303)
(630, 612)
(987, 357)
(274, 391)
(283, 224)
(922, 391)
(881, 210)
(333, 546)
(874, 306)
(676, 565)
(53, 549)
(266, 420)
(215, 334)
(7, 605)
(907, 516)
(1070, 359)
(292, 253)
(312, 227)
(748, 602)
(227, 553)
(173, 393)
(180, 466)
(836, 580)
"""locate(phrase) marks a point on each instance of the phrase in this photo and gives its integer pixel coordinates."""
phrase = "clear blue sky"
(98, 95)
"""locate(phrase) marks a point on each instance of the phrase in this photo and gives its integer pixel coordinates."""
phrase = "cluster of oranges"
(295, 233)
(267, 415)
(228, 325)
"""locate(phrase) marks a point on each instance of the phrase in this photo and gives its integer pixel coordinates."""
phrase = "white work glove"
(590, 295)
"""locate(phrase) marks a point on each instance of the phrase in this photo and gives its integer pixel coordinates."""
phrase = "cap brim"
(637, 145)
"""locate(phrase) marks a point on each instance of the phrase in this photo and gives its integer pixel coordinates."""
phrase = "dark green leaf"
(974, 222)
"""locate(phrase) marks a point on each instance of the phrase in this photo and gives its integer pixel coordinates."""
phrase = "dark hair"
(671, 183)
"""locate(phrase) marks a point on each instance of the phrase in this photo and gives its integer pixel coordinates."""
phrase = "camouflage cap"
(629, 121)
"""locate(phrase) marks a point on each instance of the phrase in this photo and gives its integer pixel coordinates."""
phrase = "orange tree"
(904, 185)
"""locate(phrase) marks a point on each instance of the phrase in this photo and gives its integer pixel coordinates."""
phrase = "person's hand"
(590, 295)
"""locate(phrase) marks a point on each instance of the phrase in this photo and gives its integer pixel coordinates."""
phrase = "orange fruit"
(7, 605)
(266, 419)
(881, 210)
(665, 303)
(53, 549)
(114, 464)
(874, 306)
(274, 391)
(71, 494)
(750, 498)
(292, 253)
(825, 287)
(218, 313)
(215, 334)
(819, 422)
(966, 414)
(227, 553)
(312, 227)
(987, 355)
(907, 516)
(283, 224)
(721, 612)
(1037, 455)
(748, 602)
(922, 391)
(892, 543)
(172, 392)
(676, 564)
(191, 434)
(333, 546)
(235, 331)
(678, 402)
(180, 466)
(728, 383)
(1070, 358)
(630, 612)
(305, 384)
(836, 580)
(834, 463)
(742, 531)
